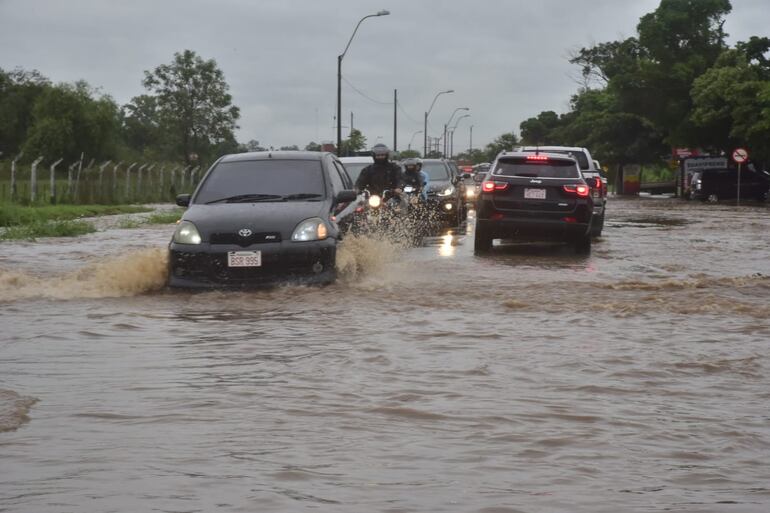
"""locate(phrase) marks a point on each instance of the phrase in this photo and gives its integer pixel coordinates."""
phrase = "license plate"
(244, 259)
(534, 193)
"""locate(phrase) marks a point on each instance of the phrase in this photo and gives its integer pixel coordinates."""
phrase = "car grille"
(254, 238)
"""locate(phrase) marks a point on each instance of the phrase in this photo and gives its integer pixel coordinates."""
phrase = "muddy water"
(425, 380)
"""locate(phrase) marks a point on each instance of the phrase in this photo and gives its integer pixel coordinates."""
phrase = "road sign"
(740, 155)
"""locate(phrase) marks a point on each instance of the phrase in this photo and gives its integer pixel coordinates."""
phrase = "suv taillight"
(579, 190)
(490, 186)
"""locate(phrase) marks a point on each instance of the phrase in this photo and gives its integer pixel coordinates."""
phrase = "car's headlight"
(186, 233)
(447, 192)
(310, 229)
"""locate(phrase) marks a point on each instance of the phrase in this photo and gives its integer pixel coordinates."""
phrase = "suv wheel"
(583, 245)
(482, 241)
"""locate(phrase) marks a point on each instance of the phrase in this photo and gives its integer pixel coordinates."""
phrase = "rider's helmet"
(380, 153)
(412, 165)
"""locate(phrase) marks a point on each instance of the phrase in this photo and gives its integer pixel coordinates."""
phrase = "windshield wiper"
(246, 198)
(302, 195)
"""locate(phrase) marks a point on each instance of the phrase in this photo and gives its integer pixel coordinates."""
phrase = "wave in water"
(128, 275)
(14, 410)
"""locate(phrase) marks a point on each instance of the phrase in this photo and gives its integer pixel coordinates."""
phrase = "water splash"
(363, 255)
(128, 275)
(14, 410)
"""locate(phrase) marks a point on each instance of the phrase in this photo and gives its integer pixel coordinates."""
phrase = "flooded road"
(425, 380)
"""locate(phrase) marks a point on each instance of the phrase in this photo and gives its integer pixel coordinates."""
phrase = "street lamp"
(449, 123)
(412, 139)
(339, 77)
(425, 129)
(452, 137)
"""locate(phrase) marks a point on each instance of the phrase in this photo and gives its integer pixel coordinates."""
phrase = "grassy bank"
(17, 215)
(38, 229)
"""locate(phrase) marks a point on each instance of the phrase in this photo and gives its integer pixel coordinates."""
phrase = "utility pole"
(395, 119)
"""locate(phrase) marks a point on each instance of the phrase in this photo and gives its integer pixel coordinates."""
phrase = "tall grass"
(16, 215)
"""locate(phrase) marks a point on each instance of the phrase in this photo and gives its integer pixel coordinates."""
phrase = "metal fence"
(94, 183)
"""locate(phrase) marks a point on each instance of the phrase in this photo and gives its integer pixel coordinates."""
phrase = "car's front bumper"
(205, 265)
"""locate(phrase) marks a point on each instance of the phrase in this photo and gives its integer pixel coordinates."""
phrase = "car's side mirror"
(183, 200)
(346, 196)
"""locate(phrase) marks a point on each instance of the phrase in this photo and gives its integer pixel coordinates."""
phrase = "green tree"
(313, 146)
(356, 142)
(19, 89)
(538, 130)
(68, 120)
(194, 103)
(293, 147)
(409, 154)
(504, 142)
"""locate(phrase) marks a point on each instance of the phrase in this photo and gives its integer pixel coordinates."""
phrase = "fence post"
(77, 178)
(33, 180)
(53, 181)
(194, 176)
(128, 179)
(101, 171)
(13, 175)
(115, 176)
(139, 179)
(69, 179)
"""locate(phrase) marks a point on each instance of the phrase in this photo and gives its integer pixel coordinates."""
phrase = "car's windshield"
(436, 171)
(263, 180)
(354, 169)
(550, 168)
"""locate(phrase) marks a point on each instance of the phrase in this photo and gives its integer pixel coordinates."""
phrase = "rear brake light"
(580, 190)
(569, 219)
(494, 186)
(537, 157)
(599, 183)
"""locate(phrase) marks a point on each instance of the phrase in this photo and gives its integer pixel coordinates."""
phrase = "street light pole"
(452, 139)
(425, 129)
(339, 77)
(446, 146)
(470, 144)
(412, 139)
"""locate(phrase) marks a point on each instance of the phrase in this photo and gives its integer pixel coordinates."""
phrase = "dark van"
(722, 184)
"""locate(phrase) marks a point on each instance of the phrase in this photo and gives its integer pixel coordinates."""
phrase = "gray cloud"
(506, 60)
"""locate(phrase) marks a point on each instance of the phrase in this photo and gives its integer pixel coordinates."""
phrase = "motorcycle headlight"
(186, 233)
(310, 229)
(447, 192)
(408, 189)
(375, 201)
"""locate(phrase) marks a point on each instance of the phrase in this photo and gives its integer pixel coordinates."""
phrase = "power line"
(364, 94)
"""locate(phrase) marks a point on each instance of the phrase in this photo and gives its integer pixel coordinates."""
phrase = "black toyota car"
(533, 197)
(260, 218)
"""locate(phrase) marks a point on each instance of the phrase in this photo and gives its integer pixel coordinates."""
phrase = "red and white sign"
(740, 155)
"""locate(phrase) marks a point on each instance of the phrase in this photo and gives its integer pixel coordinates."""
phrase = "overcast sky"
(507, 60)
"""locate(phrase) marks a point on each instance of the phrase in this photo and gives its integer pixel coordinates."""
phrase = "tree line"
(676, 84)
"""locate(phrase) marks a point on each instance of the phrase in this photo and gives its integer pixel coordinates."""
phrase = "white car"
(354, 165)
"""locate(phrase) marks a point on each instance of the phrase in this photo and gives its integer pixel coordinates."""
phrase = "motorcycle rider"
(380, 175)
(416, 177)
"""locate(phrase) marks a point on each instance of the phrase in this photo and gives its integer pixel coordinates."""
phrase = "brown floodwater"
(425, 380)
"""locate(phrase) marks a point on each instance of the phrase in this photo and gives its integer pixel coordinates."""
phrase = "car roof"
(356, 160)
(277, 155)
(525, 154)
(552, 147)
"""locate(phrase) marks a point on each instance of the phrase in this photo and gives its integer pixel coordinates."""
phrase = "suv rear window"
(550, 168)
(577, 155)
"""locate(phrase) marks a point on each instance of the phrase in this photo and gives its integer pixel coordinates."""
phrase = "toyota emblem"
(244, 232)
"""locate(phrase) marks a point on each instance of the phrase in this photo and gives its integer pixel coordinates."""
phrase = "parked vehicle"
(722, 184)
(591, 173)
(533, 197)
(261, 218)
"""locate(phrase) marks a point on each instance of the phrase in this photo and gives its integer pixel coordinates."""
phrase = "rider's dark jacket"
(418, 180)
(380, 176)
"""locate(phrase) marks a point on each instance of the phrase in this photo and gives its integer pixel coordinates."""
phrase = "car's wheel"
(598, 226)
(712, 198)
(482, 240)
(583, 245)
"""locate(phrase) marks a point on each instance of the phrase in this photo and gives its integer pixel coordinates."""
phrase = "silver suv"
(591, 173)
